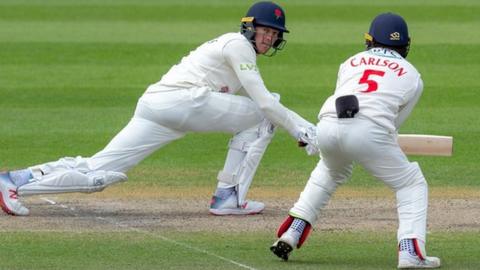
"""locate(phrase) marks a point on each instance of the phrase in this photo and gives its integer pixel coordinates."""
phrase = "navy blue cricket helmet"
(389, 29)
(266, 14)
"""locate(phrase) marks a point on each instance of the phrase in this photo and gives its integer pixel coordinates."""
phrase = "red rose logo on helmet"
(395, 36)
(278, 13)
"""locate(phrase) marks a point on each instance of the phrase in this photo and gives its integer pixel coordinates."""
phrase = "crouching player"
(376, 91)
(215, 88)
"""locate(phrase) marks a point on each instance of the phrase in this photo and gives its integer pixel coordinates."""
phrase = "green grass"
(72, 71)
(174, 250)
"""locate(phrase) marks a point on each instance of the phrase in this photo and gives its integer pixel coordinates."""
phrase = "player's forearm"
(299, 120)
(270, 106)
(283, 117)
(244, 64)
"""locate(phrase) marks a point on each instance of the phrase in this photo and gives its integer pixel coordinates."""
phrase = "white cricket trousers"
(344, 141)
(161, 118)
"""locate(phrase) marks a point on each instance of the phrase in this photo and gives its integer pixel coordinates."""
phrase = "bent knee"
(410, 176)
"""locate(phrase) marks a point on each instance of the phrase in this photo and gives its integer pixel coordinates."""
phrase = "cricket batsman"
(215, 88)
(376, 91)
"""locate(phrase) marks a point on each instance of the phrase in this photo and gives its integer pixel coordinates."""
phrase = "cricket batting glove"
(307, 138)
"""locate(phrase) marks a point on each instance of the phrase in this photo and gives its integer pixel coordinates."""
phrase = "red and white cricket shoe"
(9, 198)
(291, 235)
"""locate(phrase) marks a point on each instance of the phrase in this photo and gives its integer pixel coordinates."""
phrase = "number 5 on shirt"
(372, 84)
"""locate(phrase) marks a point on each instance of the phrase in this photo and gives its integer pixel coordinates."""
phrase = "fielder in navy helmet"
(376, 91)
(261, 16)
(389, 30)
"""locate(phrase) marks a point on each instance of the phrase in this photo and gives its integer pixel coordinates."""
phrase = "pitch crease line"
(116, 223)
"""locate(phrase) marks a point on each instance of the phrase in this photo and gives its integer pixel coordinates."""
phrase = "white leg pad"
(243, 175)
(65, 181)
(252, 143)
(227, 178)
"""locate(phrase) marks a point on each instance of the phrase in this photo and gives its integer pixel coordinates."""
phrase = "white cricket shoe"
(284, 245)
(229, 206)
(9, 197)
(406, 260)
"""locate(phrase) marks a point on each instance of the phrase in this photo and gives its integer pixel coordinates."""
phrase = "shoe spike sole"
(282, 250)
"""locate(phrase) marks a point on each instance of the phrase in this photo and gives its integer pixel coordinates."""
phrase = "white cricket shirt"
(387, 87)
(227, 64)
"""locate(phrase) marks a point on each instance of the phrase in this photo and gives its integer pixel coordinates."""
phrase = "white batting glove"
(307, 138)
(312, 150)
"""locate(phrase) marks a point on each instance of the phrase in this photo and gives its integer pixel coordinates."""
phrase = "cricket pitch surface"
(177, 209)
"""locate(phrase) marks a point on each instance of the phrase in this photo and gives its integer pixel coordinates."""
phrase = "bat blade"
(426, 145)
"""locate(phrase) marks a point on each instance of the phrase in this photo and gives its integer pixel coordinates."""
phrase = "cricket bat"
(426, 145)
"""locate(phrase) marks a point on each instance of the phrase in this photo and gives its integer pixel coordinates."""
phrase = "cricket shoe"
(229, 206)
(284, 245)
(9, 197)
(406, 260)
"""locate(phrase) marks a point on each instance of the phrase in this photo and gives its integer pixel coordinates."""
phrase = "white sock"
(296, 228)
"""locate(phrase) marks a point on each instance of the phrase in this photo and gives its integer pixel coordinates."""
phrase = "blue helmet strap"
(247, 29)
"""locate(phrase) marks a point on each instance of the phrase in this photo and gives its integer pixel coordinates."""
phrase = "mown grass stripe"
(339, 32)
(178, 12)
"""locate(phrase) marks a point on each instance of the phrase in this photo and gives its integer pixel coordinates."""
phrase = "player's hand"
(307, 139)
